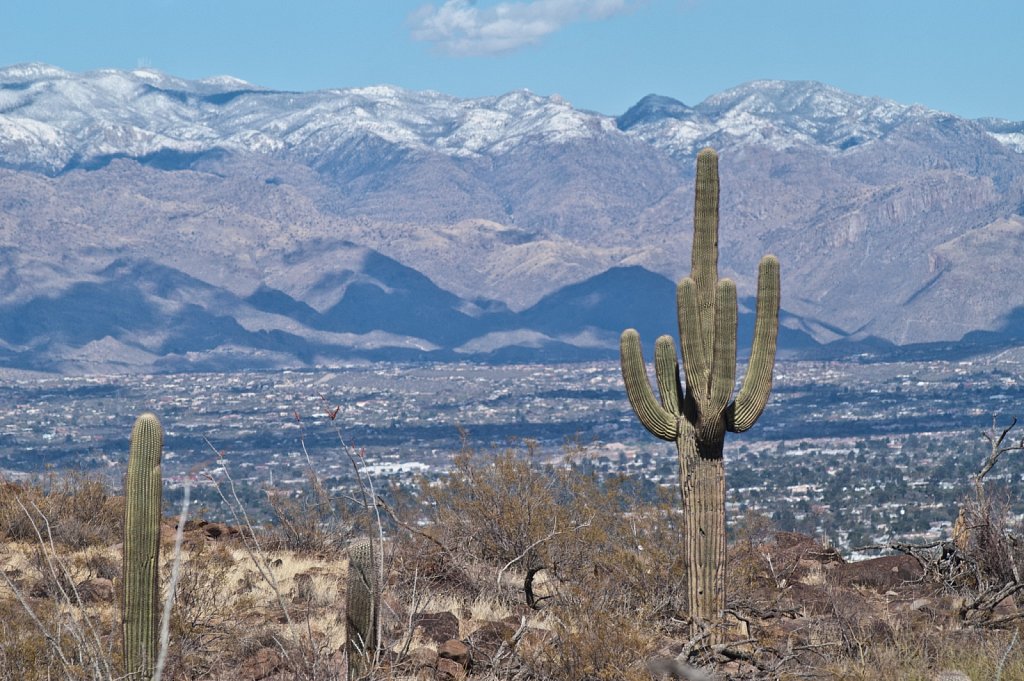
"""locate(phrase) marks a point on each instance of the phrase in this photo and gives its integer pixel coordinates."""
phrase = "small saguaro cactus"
(696, 414)
(361, 608)
(143, 489)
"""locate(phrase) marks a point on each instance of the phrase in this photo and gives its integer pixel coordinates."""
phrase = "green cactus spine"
(697, 414)
(361, 608)
(143, 489)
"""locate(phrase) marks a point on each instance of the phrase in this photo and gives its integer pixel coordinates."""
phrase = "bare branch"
(165, 619)
(997, 448)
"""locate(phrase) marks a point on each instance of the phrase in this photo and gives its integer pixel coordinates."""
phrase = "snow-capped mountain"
(790, 114)
(53, 119)
(379, 220)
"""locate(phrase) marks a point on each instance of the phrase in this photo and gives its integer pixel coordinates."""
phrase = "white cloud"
(460, 27)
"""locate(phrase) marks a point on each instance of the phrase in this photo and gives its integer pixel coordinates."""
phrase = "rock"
(96, 590)
(449, 670)
(168, 533)
(739, 669)
(487, 639)
(951, 675)
(805, 550)
(921, 604)
(1006, 608)
(881, 574)
(219, 531)
(419, 664)
(455, 650)
(668, 668)
(418, 658)
(437, 627)
(259, 666)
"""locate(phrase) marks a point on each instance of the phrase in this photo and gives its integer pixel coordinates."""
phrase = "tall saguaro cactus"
(697, 413)
(361, 610)
(143, 490)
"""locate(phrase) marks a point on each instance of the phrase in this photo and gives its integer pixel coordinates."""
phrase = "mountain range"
(149, 222)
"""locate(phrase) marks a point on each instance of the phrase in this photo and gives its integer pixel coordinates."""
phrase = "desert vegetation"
(517, 566)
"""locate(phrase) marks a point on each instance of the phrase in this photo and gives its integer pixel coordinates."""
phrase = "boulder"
(449, 670)
(455, 650)
(96, 590)
(437, 627)
(260, 665)
(487, 639)
(880, 574)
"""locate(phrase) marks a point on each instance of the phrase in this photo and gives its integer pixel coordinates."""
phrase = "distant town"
(856, 452)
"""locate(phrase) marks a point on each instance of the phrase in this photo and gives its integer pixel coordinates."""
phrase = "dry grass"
(607, 593)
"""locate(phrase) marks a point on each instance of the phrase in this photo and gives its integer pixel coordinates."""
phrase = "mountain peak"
(777, 114)
(31, 71)
(217, 81)
(800, 97)
(651, 108)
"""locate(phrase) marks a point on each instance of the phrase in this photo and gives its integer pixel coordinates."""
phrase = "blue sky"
(598, 54)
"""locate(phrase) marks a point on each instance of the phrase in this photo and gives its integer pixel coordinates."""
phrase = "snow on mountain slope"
(775, 114)
(1007, 133)
(49, 117)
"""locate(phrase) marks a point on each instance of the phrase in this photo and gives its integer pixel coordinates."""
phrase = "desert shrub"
(509, 511)
(101, 564)
(592, 638)
(74, 509)
(751, 566)
(207, 616)
(922, 654)
(46, 632)
(25, 654)
(992, 538)
(309, 520)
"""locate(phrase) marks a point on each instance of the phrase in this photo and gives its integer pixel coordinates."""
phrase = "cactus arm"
(143, 491)
(695, 359)
(655, 418)
(666, 369)
(704, 257)
(723, 366)
(753, 395)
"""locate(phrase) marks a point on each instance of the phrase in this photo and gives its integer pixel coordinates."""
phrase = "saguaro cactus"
(361, 606)
(142, 491)
(697, 416)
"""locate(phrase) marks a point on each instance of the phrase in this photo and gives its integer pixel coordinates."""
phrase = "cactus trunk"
(361, 608)
(143, 491)
(702, 481)
(697, 413)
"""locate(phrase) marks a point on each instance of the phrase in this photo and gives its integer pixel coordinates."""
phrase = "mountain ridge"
(484, 209)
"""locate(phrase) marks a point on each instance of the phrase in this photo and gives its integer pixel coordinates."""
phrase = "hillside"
(390, 223)
(483, 588)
